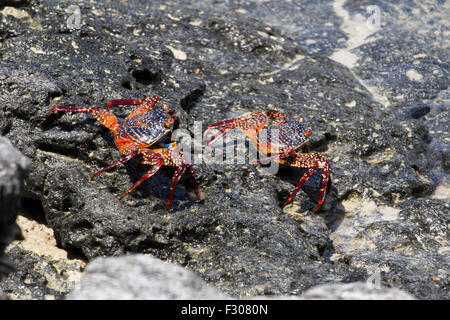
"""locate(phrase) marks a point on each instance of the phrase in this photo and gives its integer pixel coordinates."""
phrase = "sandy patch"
(41, 240)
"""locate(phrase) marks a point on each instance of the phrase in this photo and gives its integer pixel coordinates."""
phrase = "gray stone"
(13, 168)
(140, 277)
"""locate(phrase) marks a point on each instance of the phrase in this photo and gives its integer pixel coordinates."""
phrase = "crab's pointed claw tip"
(49, 112)
(316, 208)
(210, 142)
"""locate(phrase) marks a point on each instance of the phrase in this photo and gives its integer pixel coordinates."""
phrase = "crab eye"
(169, 122)
(307, 133)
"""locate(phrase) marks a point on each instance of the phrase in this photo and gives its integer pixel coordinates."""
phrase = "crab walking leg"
(175, 179)
(172, 157)
(158, 158)
(276, 157)
(300, 183)
(106, 118)
(280, 117)
(146, 105)
(287, 154)
(313, 161)
(123, 102)
(133, 102)
(151, 158)
(223, 127)
(250, 124)
(194, 180)
(325, 185)
(134, 153)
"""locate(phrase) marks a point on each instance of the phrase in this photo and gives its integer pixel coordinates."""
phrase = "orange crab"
(282, 139)
(142, 128)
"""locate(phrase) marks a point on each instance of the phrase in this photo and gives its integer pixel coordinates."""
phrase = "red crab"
(282, 138)
(142, 128)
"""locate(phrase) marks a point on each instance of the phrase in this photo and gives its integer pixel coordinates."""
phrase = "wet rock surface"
(381, 214)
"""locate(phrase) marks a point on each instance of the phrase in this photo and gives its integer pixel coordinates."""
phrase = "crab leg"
(158, 158)
(300, 183)
(123, 102)
(175, 179)
(174, 158)
(279, 116)
(223, 127)
(194, 180)
(276, 157)
(250, 124)
(132, 102)
(151, 158)
(313, 161)
(134, 152)
(106, 118)
(325, 185)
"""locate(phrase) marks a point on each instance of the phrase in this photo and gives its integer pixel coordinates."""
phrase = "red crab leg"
(123, 102)
(325, 185)
(249, 123)
(151, 158)
(277, 156)
(144, 104)
(134, 152)
(287, 154)
(279, 116)
(223, 127)
(175, 179)
(194, 180)
(313, 161)
(158, 158)
(300, 183)
(106, 118)
(132, 102)
(171, 160)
